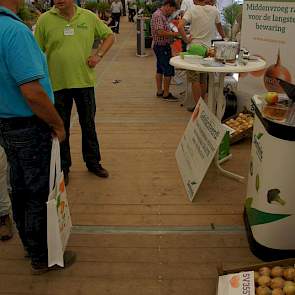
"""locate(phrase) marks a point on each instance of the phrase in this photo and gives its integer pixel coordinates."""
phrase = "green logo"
(82, 26)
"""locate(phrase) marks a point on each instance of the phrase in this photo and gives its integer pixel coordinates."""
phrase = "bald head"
(13, 5)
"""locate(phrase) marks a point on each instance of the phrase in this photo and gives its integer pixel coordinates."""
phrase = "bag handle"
(55, 166)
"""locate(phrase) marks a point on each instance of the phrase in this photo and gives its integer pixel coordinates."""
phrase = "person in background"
(203, 19)
(131, 10)
(5, 204)
(66, 34)
(186, 5)
(116, 9)
(28, 120)
(163, 37)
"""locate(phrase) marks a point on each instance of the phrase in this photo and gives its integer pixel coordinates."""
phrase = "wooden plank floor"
(138, 135)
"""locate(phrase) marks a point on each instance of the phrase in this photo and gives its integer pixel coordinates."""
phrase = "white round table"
(216, 99)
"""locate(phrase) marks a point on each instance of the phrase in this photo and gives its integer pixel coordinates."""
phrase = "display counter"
(270, 204)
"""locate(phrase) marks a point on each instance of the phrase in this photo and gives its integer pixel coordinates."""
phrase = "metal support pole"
(140, 37)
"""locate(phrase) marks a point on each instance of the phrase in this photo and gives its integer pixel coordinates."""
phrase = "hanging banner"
(198, 147)
(268, 30)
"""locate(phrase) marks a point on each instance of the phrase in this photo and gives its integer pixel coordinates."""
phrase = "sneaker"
(41, 268)
(5, 227)
(169, 97)
(98, 170)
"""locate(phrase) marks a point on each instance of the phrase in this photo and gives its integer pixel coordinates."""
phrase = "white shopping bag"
(59, 222)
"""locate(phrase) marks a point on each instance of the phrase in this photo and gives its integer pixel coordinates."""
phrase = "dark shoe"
(160, 94)
(41, 268)
(5, 227)
(170, 97)
(98, 170)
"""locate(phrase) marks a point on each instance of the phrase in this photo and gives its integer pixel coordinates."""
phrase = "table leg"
(217, 104)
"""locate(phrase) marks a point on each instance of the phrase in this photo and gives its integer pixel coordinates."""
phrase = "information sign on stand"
(268, 30)
(198, 147)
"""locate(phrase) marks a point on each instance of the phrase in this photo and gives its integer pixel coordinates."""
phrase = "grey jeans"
(5, 204)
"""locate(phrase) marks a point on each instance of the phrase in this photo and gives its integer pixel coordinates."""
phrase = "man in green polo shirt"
(66, 34)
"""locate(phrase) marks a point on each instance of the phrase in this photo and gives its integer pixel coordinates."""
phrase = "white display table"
(216, 99)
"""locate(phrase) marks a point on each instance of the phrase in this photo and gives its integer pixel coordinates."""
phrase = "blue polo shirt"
(21, 61)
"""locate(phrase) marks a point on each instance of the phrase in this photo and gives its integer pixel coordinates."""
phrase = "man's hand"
(60, 133)
(93, 60)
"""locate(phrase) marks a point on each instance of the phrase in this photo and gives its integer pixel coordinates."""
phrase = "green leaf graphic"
(256, 217)
(259, 135)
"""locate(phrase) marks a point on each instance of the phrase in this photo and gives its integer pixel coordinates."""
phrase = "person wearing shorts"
(203, 19)
(162, 38)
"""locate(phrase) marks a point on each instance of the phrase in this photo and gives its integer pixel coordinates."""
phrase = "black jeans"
(27, 142)
(131, 14)
(86, 107)
(116, 17)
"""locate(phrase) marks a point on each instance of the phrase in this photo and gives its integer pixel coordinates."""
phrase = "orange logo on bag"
(62, 186)
(235, 281)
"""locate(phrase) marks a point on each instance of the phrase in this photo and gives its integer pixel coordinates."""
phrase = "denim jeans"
(27, 143)
(5, 203)
(86, 108)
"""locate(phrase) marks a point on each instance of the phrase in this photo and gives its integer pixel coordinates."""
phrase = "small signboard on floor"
(198, 147)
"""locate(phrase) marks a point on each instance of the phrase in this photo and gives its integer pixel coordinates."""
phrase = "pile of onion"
(275, 281)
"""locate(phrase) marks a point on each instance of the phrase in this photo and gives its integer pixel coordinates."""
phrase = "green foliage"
(91, 5)
(103, 6)
(148, 8)
(25, 13)
(231, 12)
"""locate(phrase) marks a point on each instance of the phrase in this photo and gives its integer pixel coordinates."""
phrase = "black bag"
(231, 102)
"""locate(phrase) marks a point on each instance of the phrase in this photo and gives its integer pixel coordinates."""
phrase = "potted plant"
(230, 15)
(91, 5)
(102, 8)
(27, 16)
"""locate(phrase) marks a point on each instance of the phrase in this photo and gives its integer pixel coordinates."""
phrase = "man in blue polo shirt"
(28, 120)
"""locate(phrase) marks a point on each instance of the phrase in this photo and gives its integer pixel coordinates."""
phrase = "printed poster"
(198, 147)
(268, 30)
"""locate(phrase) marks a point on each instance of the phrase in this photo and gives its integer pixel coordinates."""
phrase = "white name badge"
(69, 31)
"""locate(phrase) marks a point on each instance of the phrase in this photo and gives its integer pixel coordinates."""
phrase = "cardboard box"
(223, 273)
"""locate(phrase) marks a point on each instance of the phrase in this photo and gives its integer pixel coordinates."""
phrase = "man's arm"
(220, 30)
(42, 107)
(182, 32)
(107, 43)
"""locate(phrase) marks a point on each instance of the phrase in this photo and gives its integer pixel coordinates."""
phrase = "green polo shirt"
(68, 44)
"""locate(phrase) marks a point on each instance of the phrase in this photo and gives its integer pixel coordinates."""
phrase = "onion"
(263, 291)
(277, 271)
(264, 281)
(289, 273)
(289, 283)
(256, 277)
(273, 72)
(289, 290)
(277, 292)
(264, 271)
(277, 283)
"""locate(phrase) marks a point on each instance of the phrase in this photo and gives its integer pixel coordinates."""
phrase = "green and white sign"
(268, 30)
(198, 147)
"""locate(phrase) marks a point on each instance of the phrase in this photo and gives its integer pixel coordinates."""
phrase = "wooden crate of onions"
(275, 280)
(242, 124)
